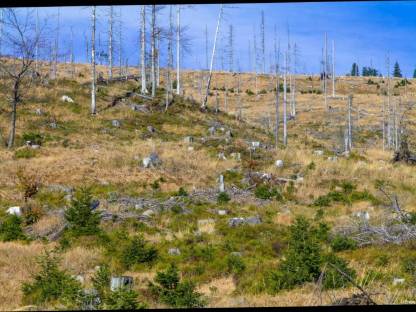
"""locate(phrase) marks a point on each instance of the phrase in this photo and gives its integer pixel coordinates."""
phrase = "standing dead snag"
(19, 36)
(204, 103)
(348, 130)
(153, 51)
(110, 43)
(143, 49)
(93, 72)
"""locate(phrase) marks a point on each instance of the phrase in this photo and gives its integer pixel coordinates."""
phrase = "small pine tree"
(82, 220)
(171, 291)
(396, 71)
(11, 229)
(51, 284)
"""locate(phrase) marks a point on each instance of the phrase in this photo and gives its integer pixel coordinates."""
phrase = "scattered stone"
(151, 129)
(148, 213)
(233, 222)
(279, 163)
(174, 251)
(115, 123)
(318, 152)
(229, 134)
(60, 188)
(236, 254)
(38, 112)
(255, 144)
(80, 278)
(188, 139)
(211, 130)
(190, 148)
(53, 125)
(354, 300)
(365, 215)
(94, 204)
(17, 211)
(253, 220)
(151, 161)
(66, 98)
(221, 156)
(299, 179)
(398, 281)
(140, 108)
(222, 212)
(121, 281)
(222, 129)
(35, 146)
(333, 158)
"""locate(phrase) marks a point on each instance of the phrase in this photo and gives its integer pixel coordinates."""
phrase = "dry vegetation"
(85, 150)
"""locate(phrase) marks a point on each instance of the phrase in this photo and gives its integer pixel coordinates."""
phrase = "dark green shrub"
(101, 280)
(33, 137)
(322, 201)
(136, 251)
(304, 262)
(123, 299)
(181, 192)
(223, 198)
(411, 218)
(176, 209)
(311, 166)
(51, 284)
(81, 219)
(11, 229)
(302, 259)
(409, 265)
(155, 185)
(249, 92)
(382, 260)
(263, 191)
(340, 243)
(333, 278)
(171, 291)
(235, 264)
(263, 91)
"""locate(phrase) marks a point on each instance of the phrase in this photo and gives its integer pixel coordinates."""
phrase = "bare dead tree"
(263, 46)
(153, 50)
(285, 102)
(143, 49)
(277, 74)
(110, 42)
(21, 38)
(93, 71)
(204, 103)
(56, 47)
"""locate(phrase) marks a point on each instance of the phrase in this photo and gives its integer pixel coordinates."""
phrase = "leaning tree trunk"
(204, 103)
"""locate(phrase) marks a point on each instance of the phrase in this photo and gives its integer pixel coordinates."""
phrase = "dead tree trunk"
(93, 73)
(285, 103)
(178, 49)
(153, 52)
(204, 103)
(143, 49)
(110, 43)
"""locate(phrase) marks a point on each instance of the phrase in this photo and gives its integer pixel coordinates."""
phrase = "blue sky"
(364, 32)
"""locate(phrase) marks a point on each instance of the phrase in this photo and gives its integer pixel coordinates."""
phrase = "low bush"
(33, 137)
(249, 92)
(408, 264)
(340, 243)
(137, 251)
(82, 220)
(235, 264)
(265, 192)
(11, 229)
(169, 290)
(181, 192)
(123, 299)
(223, 198)
(52, 285)
(24, 153)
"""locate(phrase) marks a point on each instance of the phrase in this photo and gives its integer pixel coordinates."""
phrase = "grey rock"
(115, 123)
(35, 146)
(151, 129)
(221, 156)
(236, 254)
(233, 222)
(229, 134)
(398, 281)
(152, 161)
(253, 220)
(140, 108)
(318, 152)
(174, 251)
(148, 213)
(60, 188)
(38, 112)
(121, 281)
(222, 212)
(211, 130)
(53, 125)
(188, 139)
(279, 163)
